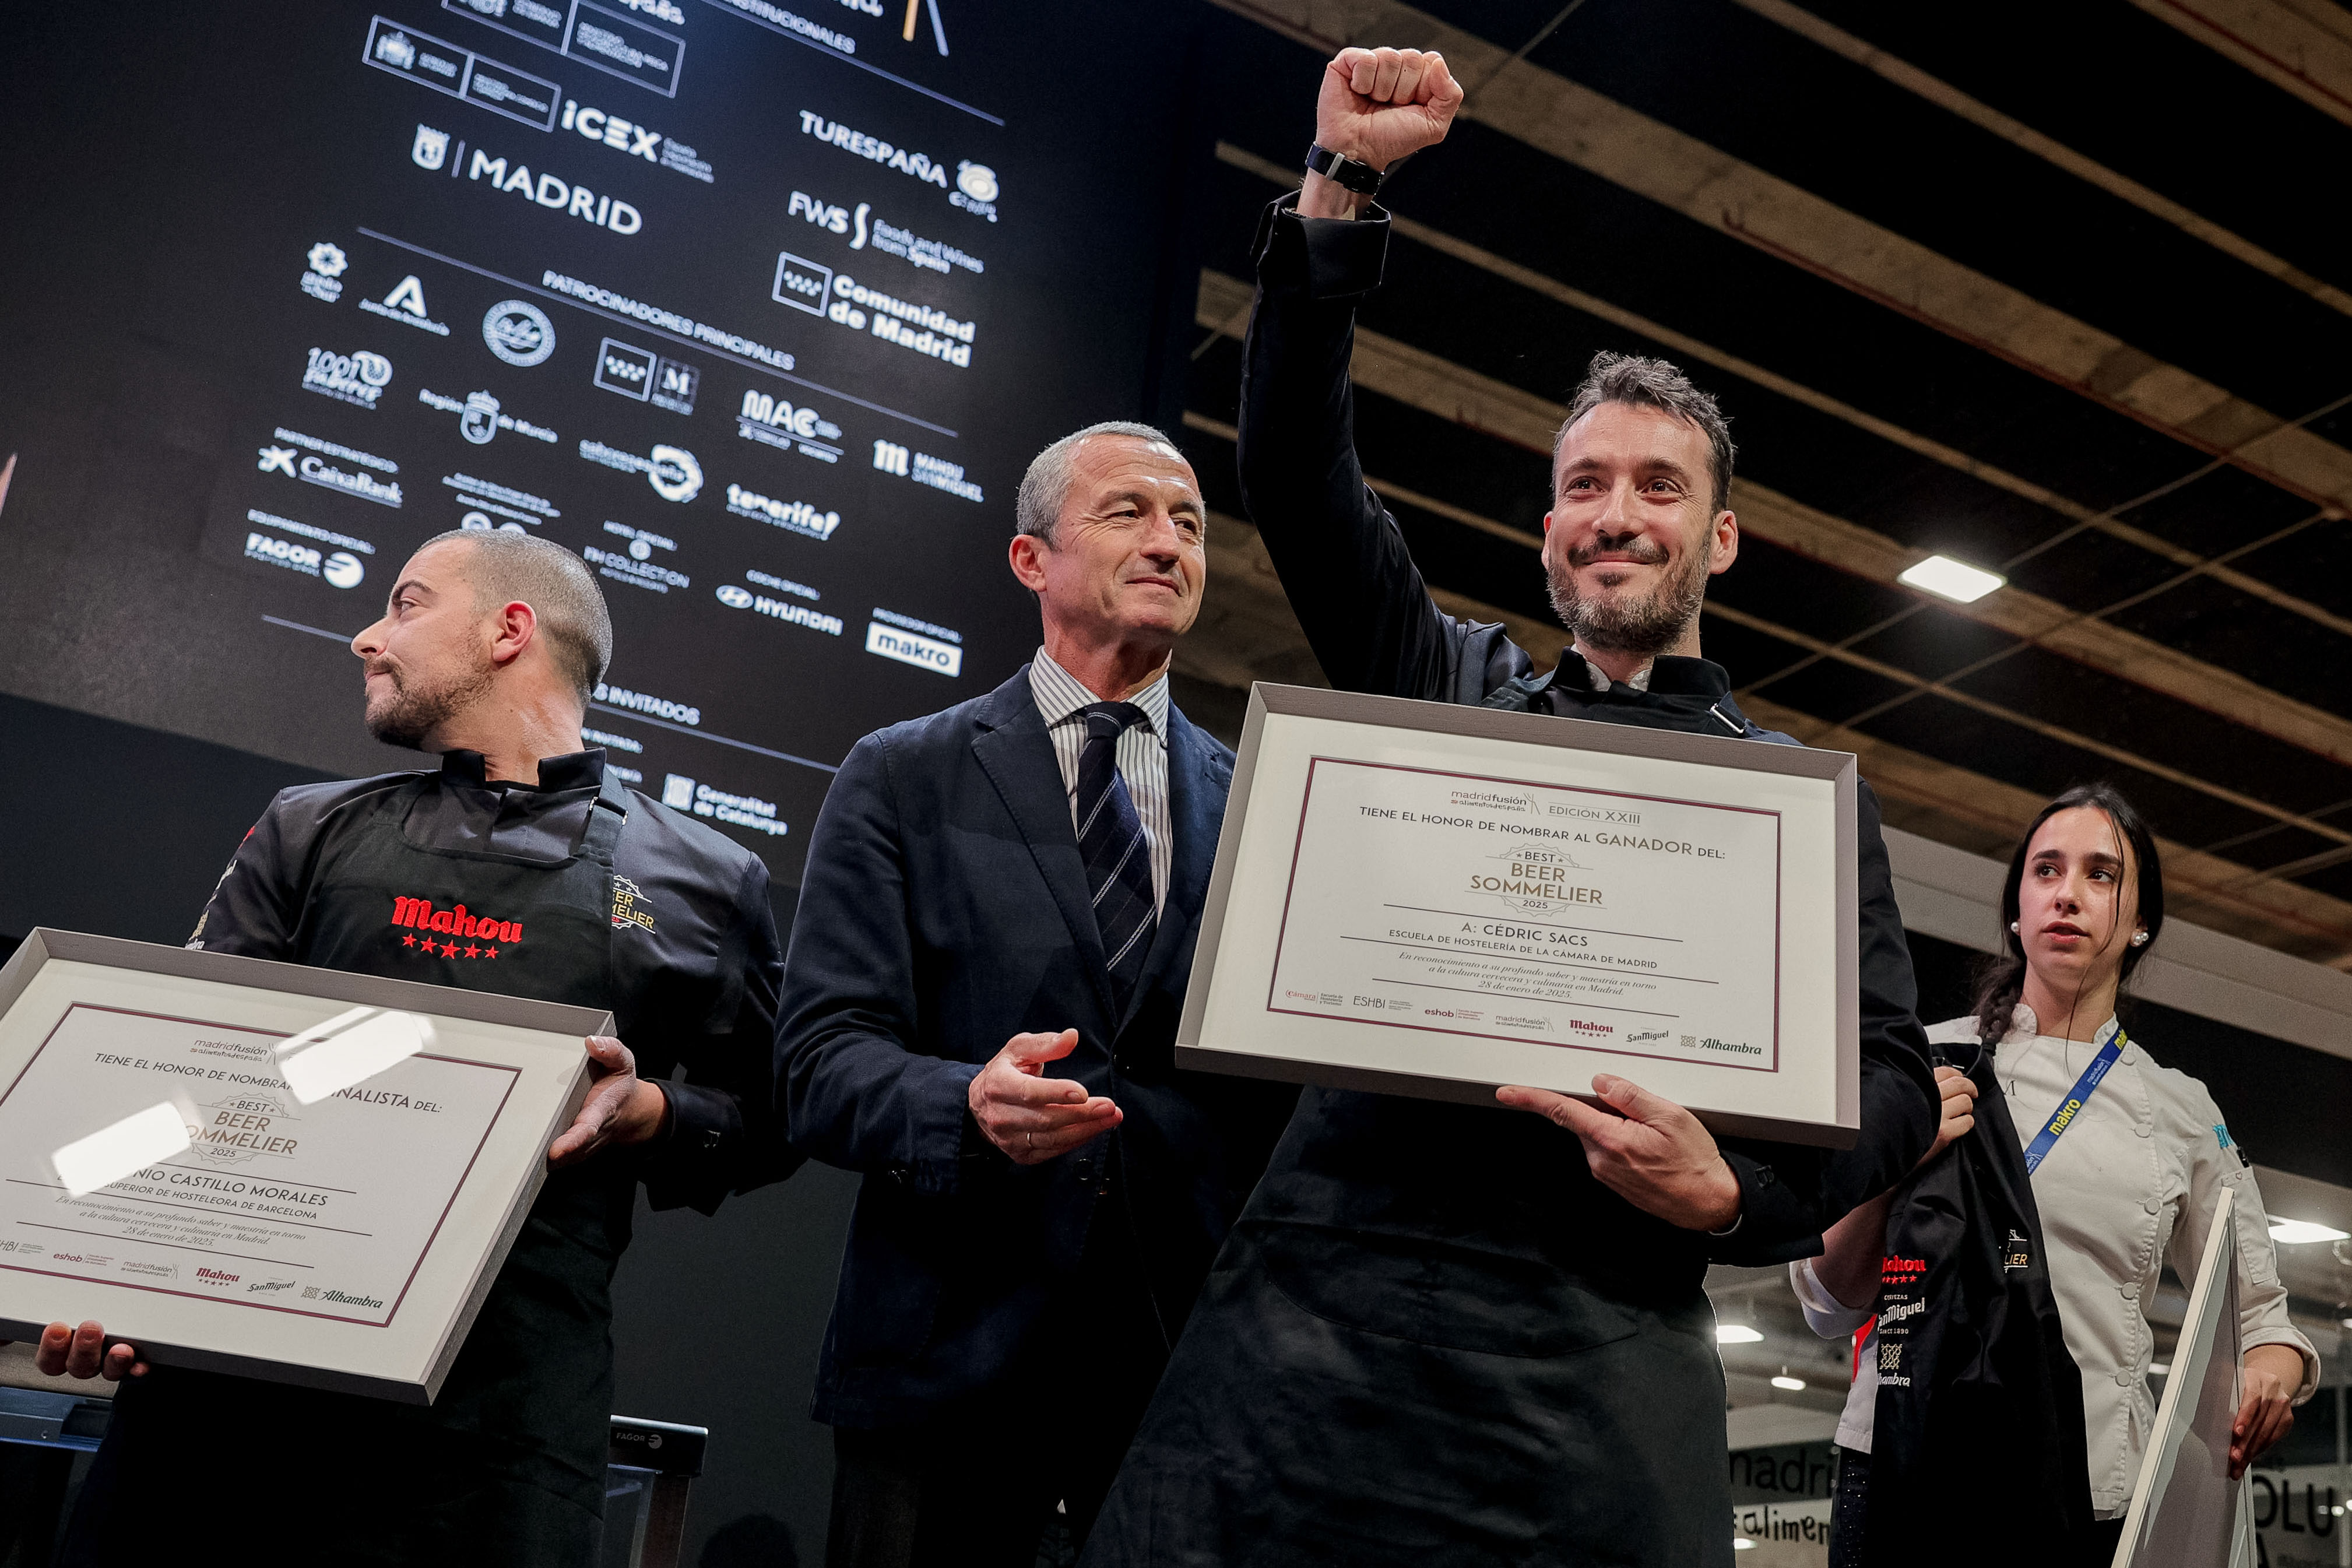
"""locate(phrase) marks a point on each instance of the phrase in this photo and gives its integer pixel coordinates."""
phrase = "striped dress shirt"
(1143, 753)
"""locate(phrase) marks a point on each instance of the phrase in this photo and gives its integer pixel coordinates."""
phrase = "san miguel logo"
(452, 932)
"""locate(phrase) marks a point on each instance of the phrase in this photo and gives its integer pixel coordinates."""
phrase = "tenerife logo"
(914, 165)
(478, 934)
(773, 422)
(518, 332)
(796, 516)
(625, 136)
(976, 190)
(358, 379)
(431, 148)
(405, 304)
(673, 472)
(480, 416)
(324, 281)
(547, 191)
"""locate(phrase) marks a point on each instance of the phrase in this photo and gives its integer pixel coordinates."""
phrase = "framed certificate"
(1420, 898)
(267, 1169)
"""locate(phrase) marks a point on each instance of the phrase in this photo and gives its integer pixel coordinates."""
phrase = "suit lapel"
(1195, 806)
(1017, 754)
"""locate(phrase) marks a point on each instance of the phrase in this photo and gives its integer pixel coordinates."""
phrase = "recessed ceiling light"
(1791, 1384)
(1950, 579)
(2297, 1232)
(1737, 1335)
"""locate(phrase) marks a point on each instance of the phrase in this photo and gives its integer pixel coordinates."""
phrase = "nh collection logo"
(479, 935)
(405, 304)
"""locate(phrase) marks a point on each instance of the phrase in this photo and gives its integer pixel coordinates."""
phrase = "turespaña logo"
(324, 280)
(343, 569)
(734, 597)
(518, 332)
(358, 378)
(673, 472)
(431, 148)
(405, 304)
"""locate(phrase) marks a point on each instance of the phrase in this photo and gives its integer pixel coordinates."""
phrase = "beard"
(1617, 622)
(414, 708)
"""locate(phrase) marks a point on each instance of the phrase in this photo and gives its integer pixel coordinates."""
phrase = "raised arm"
(1348, 575)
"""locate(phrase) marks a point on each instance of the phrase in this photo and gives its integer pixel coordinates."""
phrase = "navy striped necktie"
(1111, 842)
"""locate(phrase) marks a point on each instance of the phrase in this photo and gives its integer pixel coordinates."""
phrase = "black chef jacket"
(695, 981)
(1433, 1335)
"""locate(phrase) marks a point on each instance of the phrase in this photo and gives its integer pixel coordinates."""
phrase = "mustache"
(1640, 548)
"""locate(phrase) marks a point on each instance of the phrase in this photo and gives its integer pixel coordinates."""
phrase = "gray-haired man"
(1447, 1333)
(987, 967)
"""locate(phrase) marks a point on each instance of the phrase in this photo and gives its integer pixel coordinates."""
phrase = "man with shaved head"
(980, 1017)
(1462, 1333)
(489, 648)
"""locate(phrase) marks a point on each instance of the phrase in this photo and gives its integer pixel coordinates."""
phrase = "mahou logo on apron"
(453, 932)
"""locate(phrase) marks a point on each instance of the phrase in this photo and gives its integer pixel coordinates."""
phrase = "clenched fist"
(1378, 106)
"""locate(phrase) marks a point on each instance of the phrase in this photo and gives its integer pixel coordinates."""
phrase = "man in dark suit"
(986, 971)
(1441, 1332)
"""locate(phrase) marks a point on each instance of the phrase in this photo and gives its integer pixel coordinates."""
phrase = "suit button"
(1084, 1166)
(2123, 1377)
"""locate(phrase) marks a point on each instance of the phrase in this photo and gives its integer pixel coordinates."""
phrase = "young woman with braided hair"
(2130, 1184)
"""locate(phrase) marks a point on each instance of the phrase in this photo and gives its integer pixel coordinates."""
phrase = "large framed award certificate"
(1419, 898)
(267, 1169)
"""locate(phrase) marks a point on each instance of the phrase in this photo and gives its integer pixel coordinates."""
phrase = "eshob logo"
(357, 378)
(673, 472)
(518, 332)
(555, 195)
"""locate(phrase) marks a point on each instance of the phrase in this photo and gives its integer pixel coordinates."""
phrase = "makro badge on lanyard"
(2112, 1041)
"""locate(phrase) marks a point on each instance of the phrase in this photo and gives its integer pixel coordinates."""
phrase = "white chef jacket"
(2130, 1185)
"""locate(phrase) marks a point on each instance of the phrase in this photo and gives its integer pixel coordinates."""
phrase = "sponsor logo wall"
(673, 285)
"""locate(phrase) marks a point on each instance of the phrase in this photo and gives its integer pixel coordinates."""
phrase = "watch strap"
(1343, 171)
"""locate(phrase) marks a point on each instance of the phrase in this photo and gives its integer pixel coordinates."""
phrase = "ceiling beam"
(1580, 126)
(1247, 632)
(2017, 133)
(1435, 385)
(1688, 348)
(2302, 46)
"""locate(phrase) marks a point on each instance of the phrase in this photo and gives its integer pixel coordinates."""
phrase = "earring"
(2012, 926)
(2139, 938)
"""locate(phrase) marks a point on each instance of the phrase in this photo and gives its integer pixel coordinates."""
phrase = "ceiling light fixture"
(1737, 1335)
(1949, 579)
(2298, 1232)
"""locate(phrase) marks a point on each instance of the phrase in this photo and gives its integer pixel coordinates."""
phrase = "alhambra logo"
(452, 932)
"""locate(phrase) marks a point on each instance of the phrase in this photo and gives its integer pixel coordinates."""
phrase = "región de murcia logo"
(452, 932)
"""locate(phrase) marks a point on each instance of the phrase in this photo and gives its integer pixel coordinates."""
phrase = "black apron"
(506, 1467)
(1977, 1393)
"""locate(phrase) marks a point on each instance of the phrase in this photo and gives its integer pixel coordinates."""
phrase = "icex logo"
(281, 459)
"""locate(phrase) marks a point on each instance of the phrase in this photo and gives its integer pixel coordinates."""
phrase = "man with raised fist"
(1442, 1333)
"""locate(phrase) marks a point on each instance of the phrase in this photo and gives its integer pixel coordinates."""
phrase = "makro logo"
(405, 304)
(673, 472)
(912, 648)
(357, 378)
(637, 140)
(518, 332)
(798, 516)
(555, 195)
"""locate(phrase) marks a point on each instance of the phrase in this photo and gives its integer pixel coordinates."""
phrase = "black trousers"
(1851, 1509)
(977, 1487)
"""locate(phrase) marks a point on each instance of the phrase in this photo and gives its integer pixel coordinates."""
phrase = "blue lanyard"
(2076, 1098)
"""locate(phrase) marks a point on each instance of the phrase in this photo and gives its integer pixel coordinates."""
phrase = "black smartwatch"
(1343, 171)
